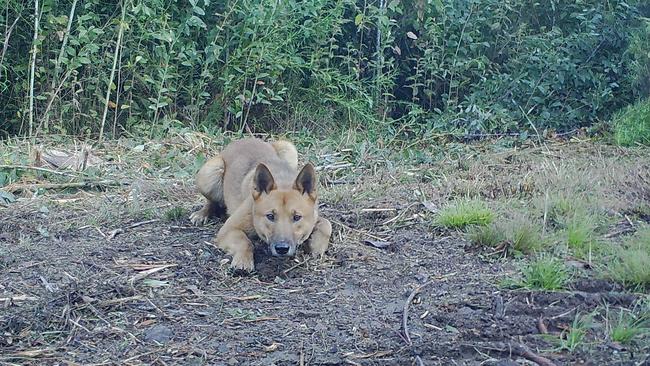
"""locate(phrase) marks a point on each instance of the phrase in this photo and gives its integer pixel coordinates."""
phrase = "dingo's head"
(284, 218)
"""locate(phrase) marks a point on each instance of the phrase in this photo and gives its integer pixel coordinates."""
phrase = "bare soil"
(86, 278)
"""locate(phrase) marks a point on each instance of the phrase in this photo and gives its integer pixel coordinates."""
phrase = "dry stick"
(32, 72)
(23, 187)
(27, 167)
(51, 101)
(18, 298)
(6, 43)
(57, 66)
(110, 82)
(525, 352)
(143, 223)
(405, 313)
(302, 354)
(295, 266)
(117, 95)
(357, 231)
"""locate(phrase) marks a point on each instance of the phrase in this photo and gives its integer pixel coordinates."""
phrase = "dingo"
(258, 185)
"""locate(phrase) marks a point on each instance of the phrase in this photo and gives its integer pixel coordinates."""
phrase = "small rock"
(232, 361)
(159, 334)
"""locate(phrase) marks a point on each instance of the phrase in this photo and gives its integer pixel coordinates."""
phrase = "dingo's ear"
(263, 181)
(306, 181)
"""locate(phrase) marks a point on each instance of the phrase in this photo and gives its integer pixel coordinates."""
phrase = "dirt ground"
(108, 276)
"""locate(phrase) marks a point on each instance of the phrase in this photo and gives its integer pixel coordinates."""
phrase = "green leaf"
(198, 10)
(440, 8)
(358, 19)
(195, 21)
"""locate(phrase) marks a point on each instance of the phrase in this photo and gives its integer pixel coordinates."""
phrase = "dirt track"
(139, 289)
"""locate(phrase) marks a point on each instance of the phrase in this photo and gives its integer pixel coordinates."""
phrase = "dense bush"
(407, 66)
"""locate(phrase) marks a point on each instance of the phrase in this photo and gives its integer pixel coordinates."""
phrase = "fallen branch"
(405, 312)
(27, 167)
(30, 187)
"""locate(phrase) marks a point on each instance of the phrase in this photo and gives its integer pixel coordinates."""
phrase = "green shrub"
(465, 66)
(632, 125)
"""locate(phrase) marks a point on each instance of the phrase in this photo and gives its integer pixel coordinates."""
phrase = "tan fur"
(257, 184)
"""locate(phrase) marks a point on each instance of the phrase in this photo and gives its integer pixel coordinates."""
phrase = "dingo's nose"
(282, 247)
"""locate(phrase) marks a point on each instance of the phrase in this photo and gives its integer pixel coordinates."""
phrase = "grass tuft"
(175, 213)
(632, 125)
(575, 336)
(581, 236)
(628, 326)
(525, 236)
(545, 273)
(631, 265)
(486, 236)
(461, 214)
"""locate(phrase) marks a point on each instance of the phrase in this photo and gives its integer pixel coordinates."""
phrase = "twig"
(295, 266)
(619, 232)
(30, 187)
(260, 319)
(357, 231)
(113, 233)
(32, 72)
(143, 223)
(525, 352)
(110, 82)
(27, 167)
(517, 349)
(137, 356)
(6, 43)
(302, 354)
(148, 272)
(405, 313)
(120, 300)
(399, 215)
(419, 361)
(541, 326)
(57, 66)
(18, 298)
(76, 323)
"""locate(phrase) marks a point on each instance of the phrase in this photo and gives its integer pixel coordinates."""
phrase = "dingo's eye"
(296, 218)
(270, 217)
